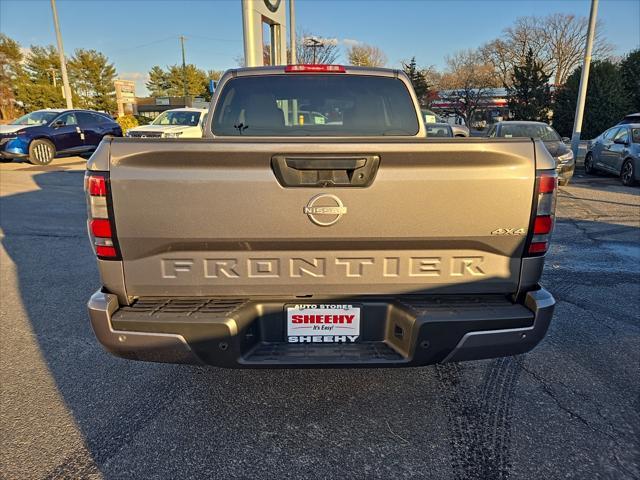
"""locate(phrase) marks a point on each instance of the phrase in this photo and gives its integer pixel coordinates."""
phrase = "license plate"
(326, 323)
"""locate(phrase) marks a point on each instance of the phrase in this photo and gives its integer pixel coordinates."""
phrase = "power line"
(129, 48)
(212, 38)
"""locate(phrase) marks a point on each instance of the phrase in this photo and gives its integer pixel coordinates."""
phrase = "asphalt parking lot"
(568, 409)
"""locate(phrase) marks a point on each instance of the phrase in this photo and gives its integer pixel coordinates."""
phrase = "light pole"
(314, 45)
(53, 76)
(184, 72)
(584, 80)
(63, 62)
(292, 33)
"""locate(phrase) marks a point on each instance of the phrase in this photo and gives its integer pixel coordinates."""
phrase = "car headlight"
(567, 157)
(172, 135)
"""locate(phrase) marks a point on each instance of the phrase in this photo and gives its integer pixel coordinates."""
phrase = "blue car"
(616, 151)
(42, 135)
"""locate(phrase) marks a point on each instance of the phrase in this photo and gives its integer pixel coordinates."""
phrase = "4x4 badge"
(325, 209)
(509, 231)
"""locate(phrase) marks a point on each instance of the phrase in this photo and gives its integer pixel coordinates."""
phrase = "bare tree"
(557, 42)
(364, 55)
(311, 47)
(501, 56)
(525, 35)
(467, 82)
(565, 36)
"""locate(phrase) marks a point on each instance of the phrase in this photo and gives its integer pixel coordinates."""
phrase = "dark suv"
(42, 135)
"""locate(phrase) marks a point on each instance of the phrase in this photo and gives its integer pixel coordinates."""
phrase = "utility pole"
(584, 80)
(314, 44)
(292, 33)
(63, 62)
(184, 71)
(53, 76)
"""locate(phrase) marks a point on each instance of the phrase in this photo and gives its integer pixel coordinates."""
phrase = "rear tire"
(589, 168)
(627, 174)
(41, 152)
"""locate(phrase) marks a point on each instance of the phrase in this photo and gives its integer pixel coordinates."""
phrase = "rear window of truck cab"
(314, 105)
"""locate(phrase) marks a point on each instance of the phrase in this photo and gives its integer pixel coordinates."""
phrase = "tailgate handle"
(325, 171)
(326, 163)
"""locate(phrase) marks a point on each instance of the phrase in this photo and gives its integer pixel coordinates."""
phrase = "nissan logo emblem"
(324, 209)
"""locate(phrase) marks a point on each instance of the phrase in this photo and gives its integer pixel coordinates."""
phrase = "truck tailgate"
(197, 218)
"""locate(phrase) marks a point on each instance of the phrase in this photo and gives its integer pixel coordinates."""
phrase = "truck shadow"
(143, 420)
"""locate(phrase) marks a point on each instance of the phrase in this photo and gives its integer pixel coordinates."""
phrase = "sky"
(138, 34)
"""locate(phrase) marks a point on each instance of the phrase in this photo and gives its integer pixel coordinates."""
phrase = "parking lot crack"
(548, 389)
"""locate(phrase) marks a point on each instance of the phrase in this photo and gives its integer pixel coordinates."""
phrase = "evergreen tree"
(418, 79)
(39, 84)
(630, 68)
(197, 82)
(92, 77)
(158, 84)
(607, 100)
(10, 71)
(529, 92)
(170, 82)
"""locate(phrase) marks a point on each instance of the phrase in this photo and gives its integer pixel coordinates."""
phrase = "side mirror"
(57, 124)
(620, 141)
(566, 140)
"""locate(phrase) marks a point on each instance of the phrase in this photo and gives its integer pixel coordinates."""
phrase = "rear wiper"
(241, 127)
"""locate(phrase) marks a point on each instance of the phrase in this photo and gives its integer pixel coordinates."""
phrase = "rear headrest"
(367, 112)
(262, 111)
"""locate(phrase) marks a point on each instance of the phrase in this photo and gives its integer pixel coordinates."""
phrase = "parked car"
(306, 117)
(438, 130)
(460, 130)
(353, 243)
(616, 151)
(43, 135)
(174, 123)
(557, 146)
(458, 125)
(631, 118)
(429, 116)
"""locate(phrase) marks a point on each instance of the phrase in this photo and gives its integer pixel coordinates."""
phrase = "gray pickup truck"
(344, 238)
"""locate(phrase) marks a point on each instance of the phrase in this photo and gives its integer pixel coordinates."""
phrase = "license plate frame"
(322, 323)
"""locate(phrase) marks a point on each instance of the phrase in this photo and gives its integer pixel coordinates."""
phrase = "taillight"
(101, 227)
(544, 219)
(312, 67)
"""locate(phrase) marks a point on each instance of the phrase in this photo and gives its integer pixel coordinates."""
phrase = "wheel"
(589, 168)
(627, 174)
(41, 152)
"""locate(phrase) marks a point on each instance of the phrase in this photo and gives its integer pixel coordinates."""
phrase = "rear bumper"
(565, 171)
(395, 331)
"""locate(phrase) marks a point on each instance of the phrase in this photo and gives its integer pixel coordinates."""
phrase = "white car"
(175, 123)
